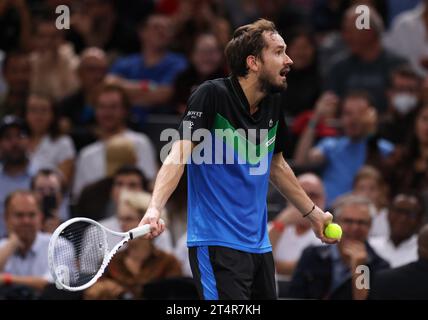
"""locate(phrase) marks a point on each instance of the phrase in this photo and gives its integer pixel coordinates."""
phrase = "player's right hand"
(157, 226)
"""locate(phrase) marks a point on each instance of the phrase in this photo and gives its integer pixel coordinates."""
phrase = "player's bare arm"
(283, 178)
(166, 181)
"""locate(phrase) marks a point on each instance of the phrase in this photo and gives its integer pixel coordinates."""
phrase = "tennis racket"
(79, 252)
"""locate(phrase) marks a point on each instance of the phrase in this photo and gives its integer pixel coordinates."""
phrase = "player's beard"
(268, 86)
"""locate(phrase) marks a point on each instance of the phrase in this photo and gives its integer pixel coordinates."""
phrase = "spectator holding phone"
(48, 187)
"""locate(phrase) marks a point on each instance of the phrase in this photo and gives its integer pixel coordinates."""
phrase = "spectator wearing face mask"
(404, 96)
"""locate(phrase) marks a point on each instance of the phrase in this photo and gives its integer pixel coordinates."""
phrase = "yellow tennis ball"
(333, 231)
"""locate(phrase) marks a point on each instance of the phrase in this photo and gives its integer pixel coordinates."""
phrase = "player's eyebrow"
(282, 47)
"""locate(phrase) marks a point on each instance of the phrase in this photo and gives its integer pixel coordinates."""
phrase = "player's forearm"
(167, 180)
(170, 174)
(287, 184)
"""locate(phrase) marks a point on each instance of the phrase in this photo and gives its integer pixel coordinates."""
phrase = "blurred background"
(82, 110)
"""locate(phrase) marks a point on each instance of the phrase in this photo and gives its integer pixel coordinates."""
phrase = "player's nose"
(288, 61)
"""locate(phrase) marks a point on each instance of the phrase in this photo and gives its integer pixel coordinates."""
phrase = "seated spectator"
(24, 254)
(77, 111)
(99, 199)
(407, 168)
(322, 120)
(138, 263)
(327, 16)
(15, 25)
(407, 282)
(111, 111)
(404, 96)
(369, 183)
(193, 17)
(330, 272)
(408, 37)
(206, 63)
(49, 188)
(17, 74)
(96, 23)
(405, 218)
(148, 76)
(341, 157)
(54, 62)
(363, 69)
(47, 148)
(131, 206)
(290, 234)
(14, 170)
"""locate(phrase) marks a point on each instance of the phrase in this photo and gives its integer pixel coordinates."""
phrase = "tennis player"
(229, 249)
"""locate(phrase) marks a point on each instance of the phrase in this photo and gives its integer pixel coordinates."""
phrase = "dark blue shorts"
(229, 274)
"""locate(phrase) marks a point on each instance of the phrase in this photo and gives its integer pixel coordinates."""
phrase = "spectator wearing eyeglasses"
(404, 218)
(330, 272)
(369, 183)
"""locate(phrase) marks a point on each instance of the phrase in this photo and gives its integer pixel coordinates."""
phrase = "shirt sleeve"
(325, 146)
(199, 113)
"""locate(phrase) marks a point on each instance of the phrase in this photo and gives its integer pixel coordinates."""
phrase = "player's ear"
(253, 63)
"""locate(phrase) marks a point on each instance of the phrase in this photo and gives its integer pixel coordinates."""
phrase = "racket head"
(78, 253)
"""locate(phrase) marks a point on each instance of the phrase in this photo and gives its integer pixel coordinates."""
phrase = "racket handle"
(139, 231)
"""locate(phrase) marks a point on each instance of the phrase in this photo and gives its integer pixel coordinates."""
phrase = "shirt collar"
(240, 93)
(410, 242)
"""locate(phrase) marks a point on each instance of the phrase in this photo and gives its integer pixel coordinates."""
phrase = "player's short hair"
(247, 40)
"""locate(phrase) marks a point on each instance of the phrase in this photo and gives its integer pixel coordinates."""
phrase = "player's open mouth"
(284, 72)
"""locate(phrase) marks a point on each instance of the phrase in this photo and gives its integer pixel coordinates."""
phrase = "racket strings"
(79, 253)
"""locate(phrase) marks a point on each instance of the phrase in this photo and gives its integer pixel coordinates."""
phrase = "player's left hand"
(319, 220)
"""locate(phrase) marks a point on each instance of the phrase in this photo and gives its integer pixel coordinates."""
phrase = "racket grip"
(139, 231)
